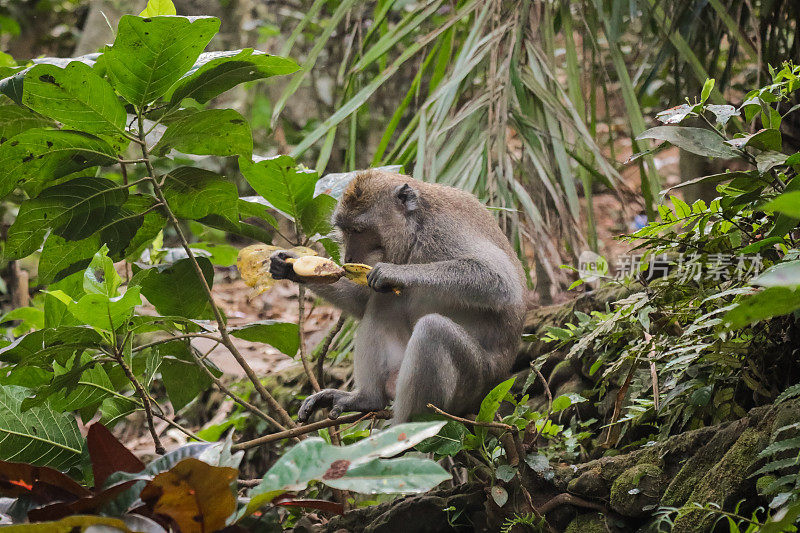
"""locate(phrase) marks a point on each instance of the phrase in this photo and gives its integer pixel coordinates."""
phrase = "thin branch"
(145, 399)
(176, 338)
(308, 428)
(326, 345)
(569, 499)
(301, 296)
(226, 339)
(230, 394)
(498, 425)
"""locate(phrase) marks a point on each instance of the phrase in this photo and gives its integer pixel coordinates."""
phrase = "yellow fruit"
(317, 269)
(357, 272)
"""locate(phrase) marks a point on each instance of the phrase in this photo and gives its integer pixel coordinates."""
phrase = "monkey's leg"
(443, 365)
(339, 401)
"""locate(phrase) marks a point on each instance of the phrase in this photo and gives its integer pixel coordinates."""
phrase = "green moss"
(763, 482)
(721, 482)
(588, 523)
(638, 487)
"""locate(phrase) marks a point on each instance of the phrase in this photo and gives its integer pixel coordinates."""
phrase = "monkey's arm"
(467, 281)
(344, 294)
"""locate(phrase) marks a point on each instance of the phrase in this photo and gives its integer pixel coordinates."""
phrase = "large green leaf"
(15, 119)
(174, 289)
(182, 378)
(787, 203)
(316, 215)
(381, 476)
(101, 277)
(100, 311)
(695, 140)
(40, 155)
(781, 275)
(45, 346)
(135, 225)
(194, 193)
(772, 301)
(315, 459)
(281, 183)
(280, 335)
(216, 72)
(74, 210)
(150, 54)
(220, 132)
(74, 96)
(39, 436)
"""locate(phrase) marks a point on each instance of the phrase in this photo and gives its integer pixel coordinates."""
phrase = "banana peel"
(254, 261)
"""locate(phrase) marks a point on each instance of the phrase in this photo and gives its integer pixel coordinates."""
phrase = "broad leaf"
(37, 483)
(781, 275)
(150, 54)
(216, 72)
(787, 203)
(280, 335)
(109, 455)
(197, 496)
(73, 210)
(45, 346)
(194, 193)
(316, 216)
(41, 155)
(102, 312)
(281, 183)
(381, 476)
(15, 119)
(695, 140)
(74, 96)
(155, 8)
(766, 139)
(174, 289)
(772, 301)
(220, 132)
(182, 378)
(39, 436)
(101, 277)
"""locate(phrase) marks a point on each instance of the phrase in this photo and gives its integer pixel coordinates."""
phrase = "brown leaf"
(109, 455)
(41, 484)
(88, 504)
(322, 505)
(196, 495)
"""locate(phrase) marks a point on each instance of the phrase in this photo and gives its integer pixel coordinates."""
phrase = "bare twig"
(225, 337)
(301, 296)
(326, 345)
(176, 338)
(308, 428)
(145, 399)
(498, 425)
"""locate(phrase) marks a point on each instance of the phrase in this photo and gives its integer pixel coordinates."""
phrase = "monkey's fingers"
(316, 401)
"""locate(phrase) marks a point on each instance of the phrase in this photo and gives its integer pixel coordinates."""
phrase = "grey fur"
(452, 332)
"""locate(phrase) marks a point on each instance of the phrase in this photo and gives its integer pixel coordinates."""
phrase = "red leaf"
(87, 505)
(322, 505)
(109, 455)
(39, 483)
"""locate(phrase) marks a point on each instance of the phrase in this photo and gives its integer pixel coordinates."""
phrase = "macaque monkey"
(442, 316)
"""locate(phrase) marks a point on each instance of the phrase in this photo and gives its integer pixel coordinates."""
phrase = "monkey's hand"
(385, 277)
(280, 269)
(337, 400)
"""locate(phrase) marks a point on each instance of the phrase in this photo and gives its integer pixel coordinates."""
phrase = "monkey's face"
(362, 245)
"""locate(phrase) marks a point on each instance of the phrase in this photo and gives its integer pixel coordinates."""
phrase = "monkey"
(442, 314)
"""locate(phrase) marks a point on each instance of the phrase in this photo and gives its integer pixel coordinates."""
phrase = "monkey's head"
(376, 217)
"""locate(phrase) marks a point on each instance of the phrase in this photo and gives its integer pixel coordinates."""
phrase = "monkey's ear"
(408, 196)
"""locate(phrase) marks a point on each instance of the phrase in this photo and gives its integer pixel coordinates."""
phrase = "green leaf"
(708, 86)
(723, 113)
(223, 255)
(773, 301)
(491, 403)
(316, 216)
(74, 96)
(695, 140)
(281, 335)
(42, 347)
(40, 155)
(38, 436)
(220, 132)
(15, 119)
(74, 210)
(392, 476)
(155, 8)
(101, 277)
(281, 183)
(449, 440)
(151, 54)
(194, 193)
(174, 289)
(216, 72)
(766, 139)
(781, 275)
(182, 378)
(787, 203)
(313, 458)
(102, 312)
(561, 403)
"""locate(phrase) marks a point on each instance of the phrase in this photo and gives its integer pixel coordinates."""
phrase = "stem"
(145, 399)
(301, 305)
(176, 338)
(326, 345)
(308, 428)
(230, 394)
(225, 337)
(498, 425)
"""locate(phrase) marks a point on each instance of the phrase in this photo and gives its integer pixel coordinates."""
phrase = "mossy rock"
(637, 490)
(588, 523)
(589, 485)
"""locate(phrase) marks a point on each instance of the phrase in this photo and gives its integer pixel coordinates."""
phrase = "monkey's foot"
(338, 401)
